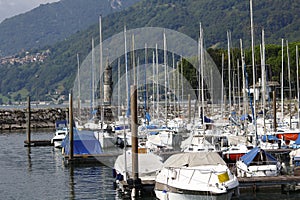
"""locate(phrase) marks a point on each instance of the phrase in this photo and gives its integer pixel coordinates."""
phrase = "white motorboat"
(235, 152)
(148, 165)
(195, 175)
(258, 162)
(197, 143)
(61, 131)
(59, 136)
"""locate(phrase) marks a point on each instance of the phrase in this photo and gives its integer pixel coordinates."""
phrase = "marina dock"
(100, 159)
(255, 183)
(37, 143)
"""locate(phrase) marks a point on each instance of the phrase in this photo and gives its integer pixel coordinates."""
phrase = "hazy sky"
(9, 8)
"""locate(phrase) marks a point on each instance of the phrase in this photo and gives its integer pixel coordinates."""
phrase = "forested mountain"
(53, 22)
(280, 19)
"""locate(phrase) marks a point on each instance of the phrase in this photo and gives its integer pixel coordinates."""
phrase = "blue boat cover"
(148, 127)
(208, 120)
(60, 124)
(249, 157)
(121, 127)
(270, 138)
(85, 143)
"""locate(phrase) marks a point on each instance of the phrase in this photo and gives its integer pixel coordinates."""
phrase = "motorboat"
(61, 131)
(59, 137)
(148, 165)
(195, 175)
(258, 162)
(196, 143)
(235, 152)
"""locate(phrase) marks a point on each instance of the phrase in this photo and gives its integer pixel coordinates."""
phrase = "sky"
(10, 8)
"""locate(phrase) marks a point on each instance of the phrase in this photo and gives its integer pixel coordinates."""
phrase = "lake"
(39, 173)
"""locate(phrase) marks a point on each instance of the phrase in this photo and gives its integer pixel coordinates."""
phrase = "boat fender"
(174, 174)
(119, 177)
(114, 173)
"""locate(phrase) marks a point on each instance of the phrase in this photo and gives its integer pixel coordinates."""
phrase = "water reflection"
(71, 183)
(39, 173)
(29, 159)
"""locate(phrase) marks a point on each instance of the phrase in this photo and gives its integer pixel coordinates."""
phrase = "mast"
(202, 77)
(165, 65)
(127, 75)
(157, 84)
(199, 72)
(153, 83)
(222, 91)
(239, 86)
(133, 61)
(290, 86)
(229, 72)
(145, 81)
(298, 93)
(119, 88)
(79, 95)
(282, 80)
(173, 77)
(263, 77)
(253, 70)
(181, 66)
(93, 77)
(101, 64)
(244, 79)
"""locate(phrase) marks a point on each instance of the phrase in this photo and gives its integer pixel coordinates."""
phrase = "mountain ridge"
(58, 72)
(53, 22)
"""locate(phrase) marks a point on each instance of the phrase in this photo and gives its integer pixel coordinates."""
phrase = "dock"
(37, 143)
(268, 181)
(107, 159)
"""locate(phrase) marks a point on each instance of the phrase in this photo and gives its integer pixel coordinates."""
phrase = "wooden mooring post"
(28, 130)
(136, 182)
(71, 135)
(28, 142)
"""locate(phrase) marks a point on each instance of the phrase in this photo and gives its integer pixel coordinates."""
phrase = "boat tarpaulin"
(148, 163)
(194, 159)
(255, 154)
(85, 143)
(269, 137)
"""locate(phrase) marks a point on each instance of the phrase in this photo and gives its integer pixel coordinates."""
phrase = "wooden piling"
(28, 131)
(71, 154)
(134, 137)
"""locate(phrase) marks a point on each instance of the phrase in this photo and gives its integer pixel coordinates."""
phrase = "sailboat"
(258, 162)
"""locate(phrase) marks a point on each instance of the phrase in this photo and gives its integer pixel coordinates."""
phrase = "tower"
(107, 88)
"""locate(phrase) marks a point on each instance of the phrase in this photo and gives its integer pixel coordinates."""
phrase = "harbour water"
(39, 173)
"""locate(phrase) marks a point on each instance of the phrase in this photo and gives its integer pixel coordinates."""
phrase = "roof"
(194, 159)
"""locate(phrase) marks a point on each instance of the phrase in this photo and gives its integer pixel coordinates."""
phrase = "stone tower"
(107, 88)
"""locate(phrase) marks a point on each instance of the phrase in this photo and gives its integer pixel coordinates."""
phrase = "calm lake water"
(39, 173)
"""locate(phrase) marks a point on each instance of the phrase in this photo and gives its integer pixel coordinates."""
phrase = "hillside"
(57, 73)
(53, 22)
